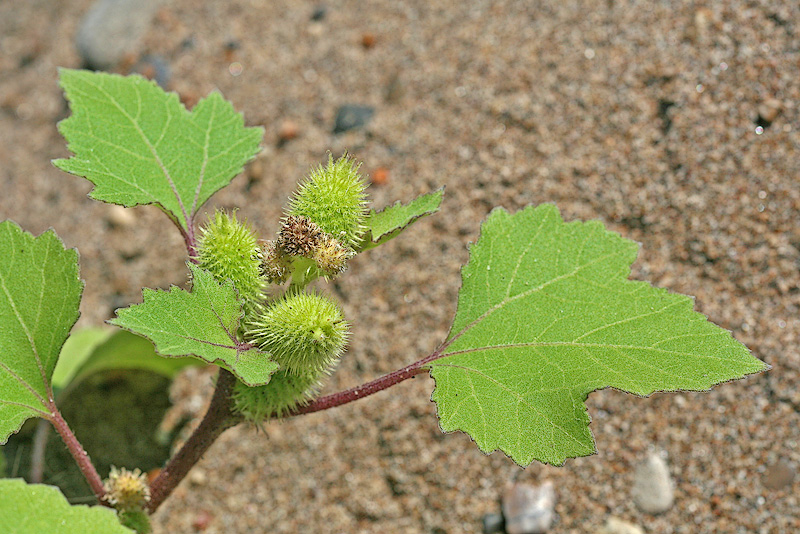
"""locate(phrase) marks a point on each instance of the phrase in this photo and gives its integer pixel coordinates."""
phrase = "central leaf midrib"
(537, 344)
(149, 145)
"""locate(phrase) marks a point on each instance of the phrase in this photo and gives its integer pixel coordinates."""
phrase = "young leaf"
(546, 315)
(138, 145)
(202, 323)
(389, 222)
(36, 508)
(91, 350)
(78, 347)
(40, 292)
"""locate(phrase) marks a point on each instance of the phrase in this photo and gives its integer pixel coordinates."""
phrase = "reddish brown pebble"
(148, 71)
(368, 40)
(770, 109)
(127, 62)
(231, 48)
(202, 520)
(189, 99)
(166, 17)
(288, 131)
(380, 176)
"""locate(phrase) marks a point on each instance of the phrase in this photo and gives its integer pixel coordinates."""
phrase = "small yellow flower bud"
(127, 490)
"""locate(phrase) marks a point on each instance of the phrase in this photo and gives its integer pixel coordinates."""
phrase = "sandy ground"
(644, 115)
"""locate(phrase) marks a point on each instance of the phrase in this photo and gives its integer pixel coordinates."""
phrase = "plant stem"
(188, 235)
(364, 390)
(38, 451)
(77, 452)
(218, 418)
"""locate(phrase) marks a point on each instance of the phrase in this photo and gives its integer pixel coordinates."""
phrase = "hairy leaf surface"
(203, 323)
(389, 222)
(37, 509)
(139, 145)
(40, 292)
(546, 315)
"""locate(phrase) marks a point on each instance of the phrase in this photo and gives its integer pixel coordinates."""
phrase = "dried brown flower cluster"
(299, 237)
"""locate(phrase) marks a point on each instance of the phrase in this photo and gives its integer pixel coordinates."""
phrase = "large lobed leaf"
(39, 509)
(139, 145)
(381, 226)
(545, 316)
(203, 323)
(40, 292)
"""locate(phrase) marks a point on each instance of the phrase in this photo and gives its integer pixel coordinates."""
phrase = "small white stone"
(652, 486)
(198, 477)
(615, 525)
(121, 216)
(529, 509)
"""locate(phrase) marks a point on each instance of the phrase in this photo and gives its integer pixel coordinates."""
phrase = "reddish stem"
(77, 452)
(370, 388)
(218, 418)
(359, 392)
(189, 241)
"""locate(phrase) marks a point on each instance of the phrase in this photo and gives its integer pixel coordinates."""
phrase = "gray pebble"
(112, 28)
(155, 68)
(779, 475)
(652, 486)
(352, 116)
(529, 509)
(319, 13)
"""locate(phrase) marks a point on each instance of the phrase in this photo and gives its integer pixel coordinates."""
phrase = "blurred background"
(674, 123)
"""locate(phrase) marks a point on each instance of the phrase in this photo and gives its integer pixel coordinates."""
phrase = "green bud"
(304, 332)
(229, 251)
(333, 198)
(284, 391)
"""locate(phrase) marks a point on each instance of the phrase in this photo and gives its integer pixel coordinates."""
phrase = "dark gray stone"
(493, 524)
(319, 13)
(350, 117)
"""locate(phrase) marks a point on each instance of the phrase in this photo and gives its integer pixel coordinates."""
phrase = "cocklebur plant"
(546, 313)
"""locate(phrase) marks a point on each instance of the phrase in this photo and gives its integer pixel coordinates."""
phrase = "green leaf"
(38, 509)
(40, 292)
(139, 145)
(91, 350)
(546, 315)
(202, 323)
(388, 223)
